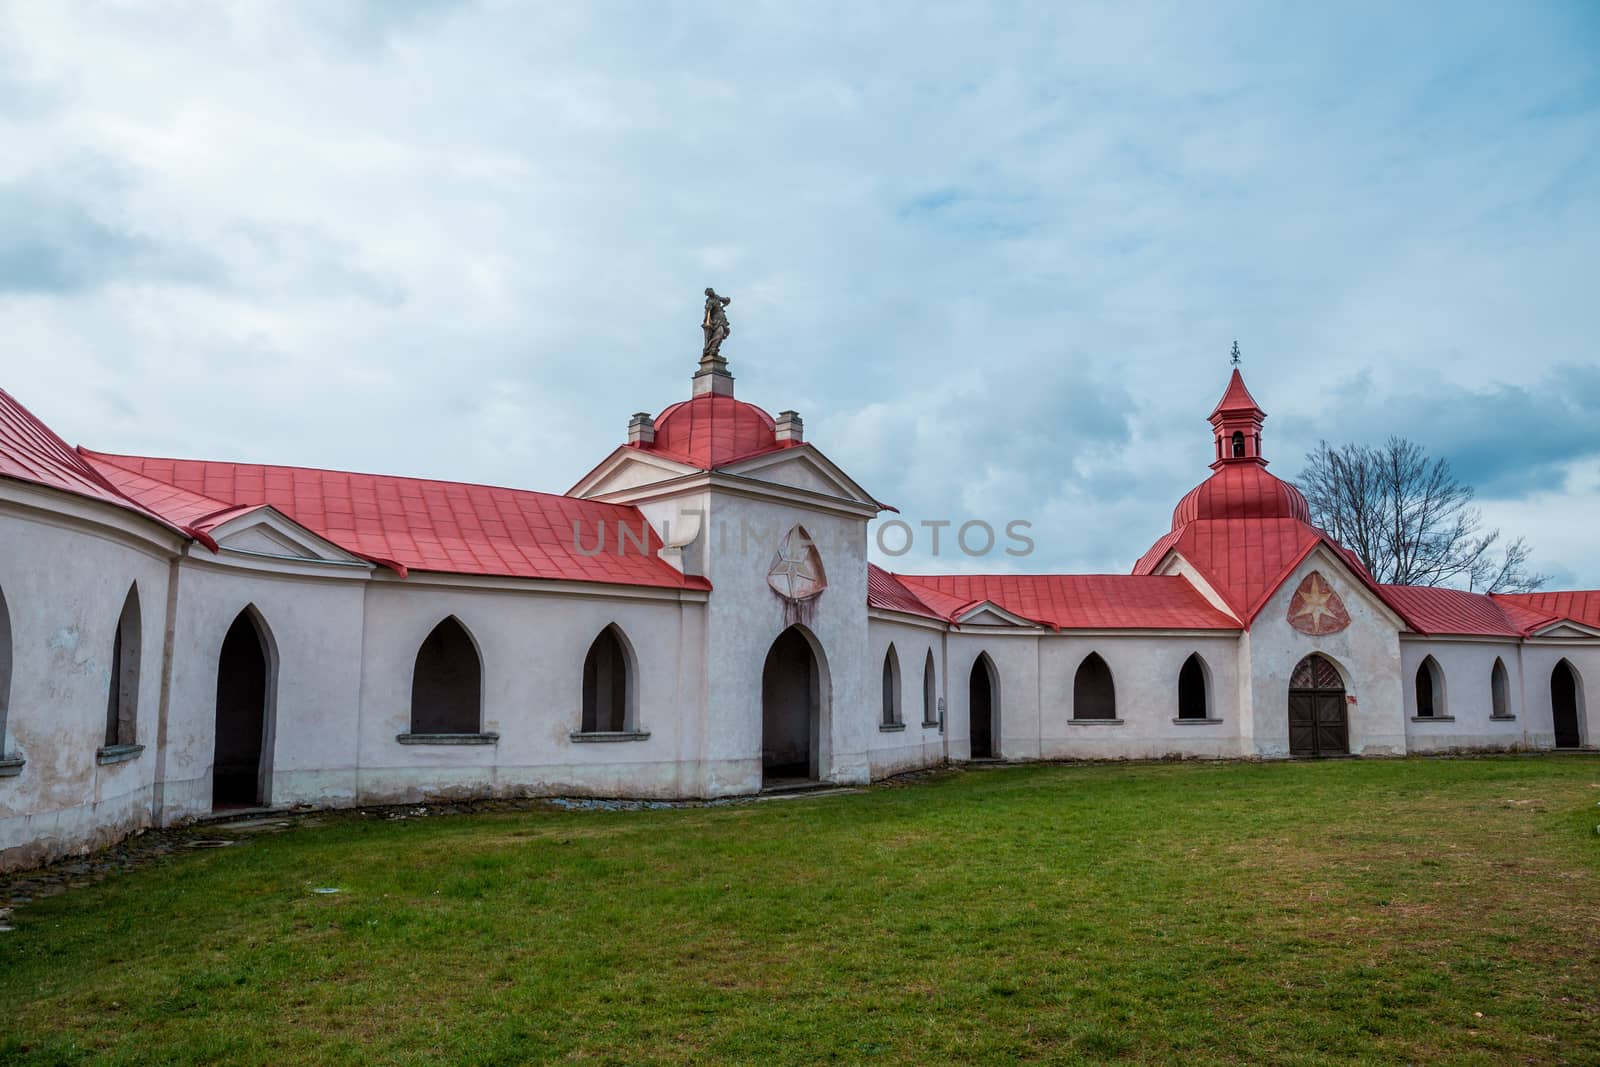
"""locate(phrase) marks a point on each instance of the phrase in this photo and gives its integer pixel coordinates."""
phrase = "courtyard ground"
(1380, 910)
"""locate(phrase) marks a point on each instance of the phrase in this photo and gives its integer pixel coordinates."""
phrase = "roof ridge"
(45, 459)
(113, 457)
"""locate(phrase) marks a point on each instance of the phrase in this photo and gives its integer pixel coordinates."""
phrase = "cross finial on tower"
(1235, 361)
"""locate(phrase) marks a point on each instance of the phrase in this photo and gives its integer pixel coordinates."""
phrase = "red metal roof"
(190, 510)
(31, 452)
(1236, 397)
(1074, 601)
(1579, 605)
(416, 524)
(1437, 610)
(884, 591)
(1241, 491)
(713, 431)
(1245, 530)
(1246, 559)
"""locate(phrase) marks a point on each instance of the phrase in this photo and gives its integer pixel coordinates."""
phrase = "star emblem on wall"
(1316, 609)
(796, 572)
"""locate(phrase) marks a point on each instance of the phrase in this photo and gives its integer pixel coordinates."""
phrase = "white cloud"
(996, 258)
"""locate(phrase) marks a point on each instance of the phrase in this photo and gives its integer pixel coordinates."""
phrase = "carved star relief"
(796, 572)
(1316, 609)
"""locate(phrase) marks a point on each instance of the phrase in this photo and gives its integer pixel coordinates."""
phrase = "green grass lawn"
(1393, 910)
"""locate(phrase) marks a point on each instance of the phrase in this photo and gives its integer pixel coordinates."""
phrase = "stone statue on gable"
(715, 324)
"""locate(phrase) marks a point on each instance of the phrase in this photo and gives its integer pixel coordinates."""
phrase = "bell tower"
(1236, 423)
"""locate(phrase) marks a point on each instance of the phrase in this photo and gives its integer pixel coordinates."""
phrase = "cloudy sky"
(995, 254)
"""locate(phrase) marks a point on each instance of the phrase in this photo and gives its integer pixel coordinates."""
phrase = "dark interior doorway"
(237, 778)
(791, 710)
(1317, 718)
(980, 703)
(1564, 705)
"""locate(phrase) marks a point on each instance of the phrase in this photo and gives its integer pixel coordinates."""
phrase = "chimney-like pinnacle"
(789, 427)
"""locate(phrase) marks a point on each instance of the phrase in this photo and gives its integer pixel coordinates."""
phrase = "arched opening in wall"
(983, 702)
(1193, 699)
(930, 692)
(1238, 444)
(5, 674)
(447, 683)
(609, 699)
(240, 771)
(1565, 699)
(793, 692)
(891, 688)
(1500, 691)
(1094, 694)
(122, 701)
(1317, 718)
(1430, 689)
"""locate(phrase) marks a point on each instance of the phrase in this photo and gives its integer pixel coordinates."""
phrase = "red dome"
(710, 431)
(1241, 491)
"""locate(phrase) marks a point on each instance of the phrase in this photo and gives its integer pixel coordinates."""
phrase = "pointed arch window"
(122, 695)
(1194, 698)
(930, 692)
(447, 689)
(1500, 691)
(1430, 690)
(891, 689)
(7, 765)
(1094, 694)
(610, 702)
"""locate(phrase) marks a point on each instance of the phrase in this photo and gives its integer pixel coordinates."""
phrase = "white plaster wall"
(532, 647)
(65, 583)
(1367, 653)
(1016, 695)
(917, 745)
(1467, 667)
(744, 617)
(1539, 658)
(314, 626)
(1144, 670)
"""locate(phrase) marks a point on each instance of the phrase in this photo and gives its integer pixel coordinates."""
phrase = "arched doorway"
(1317, 721)
(793, 694)
(1564, 705)
(239, 769)
(982, 691)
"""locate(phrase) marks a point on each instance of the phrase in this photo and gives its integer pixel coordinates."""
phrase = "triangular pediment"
(265, 531)
(1338, 578)
(628, 468)
(988, 613)
(802, 467)
(1567, 628)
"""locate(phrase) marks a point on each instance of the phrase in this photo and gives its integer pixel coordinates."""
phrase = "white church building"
(696, 618)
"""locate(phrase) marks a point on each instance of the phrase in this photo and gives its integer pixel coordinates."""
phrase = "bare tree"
(1409, 520)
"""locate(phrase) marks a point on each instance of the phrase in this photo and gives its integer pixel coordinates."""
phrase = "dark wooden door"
(1318, 724)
